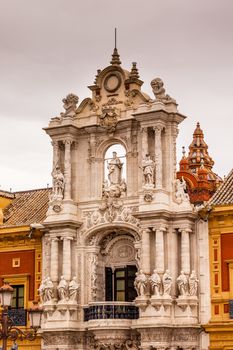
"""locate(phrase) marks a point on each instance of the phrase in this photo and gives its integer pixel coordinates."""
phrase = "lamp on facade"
(8, 329)
(35, 314)
(6, 293)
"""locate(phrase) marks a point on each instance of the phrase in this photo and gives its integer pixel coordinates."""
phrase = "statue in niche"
(115, 170)
(48, 290)
(159, 91)
(140, 283)
(182, 283)
(193, 283)
(62, 289)
(180, 191)
(155, 282)
(58, 184)
(167, 283)
(148, 171)
(73, 289)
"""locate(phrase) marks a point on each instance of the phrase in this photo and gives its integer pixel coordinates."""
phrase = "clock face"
(112, 82)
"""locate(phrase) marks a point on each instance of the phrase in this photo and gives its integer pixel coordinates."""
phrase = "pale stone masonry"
(115, 220)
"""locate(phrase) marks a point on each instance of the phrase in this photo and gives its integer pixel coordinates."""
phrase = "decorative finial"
(115, 56)
(183, 151)
(115, 38)
(134, 71)
(202, 163)
(97, 75)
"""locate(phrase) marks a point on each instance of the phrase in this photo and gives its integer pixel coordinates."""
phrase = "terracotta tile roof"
(27, 207)
(6, 194)
(224, 194)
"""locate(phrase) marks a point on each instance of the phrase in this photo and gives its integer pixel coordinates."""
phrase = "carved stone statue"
(167, 283)
(182, 283)
(48, 290)
(193, 283)
(155, 282)
(73, 289)
(131, 344)
(180, 188)
(115, 170)
(140, 283)
(159, 91)
(58, 184)
(41, 291)
(70, 105)
(148, 171)
(62, 289)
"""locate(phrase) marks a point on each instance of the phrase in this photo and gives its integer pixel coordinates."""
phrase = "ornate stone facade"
(120, 223)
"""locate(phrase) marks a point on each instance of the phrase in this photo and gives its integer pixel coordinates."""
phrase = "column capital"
(144, 129)
(67, 142)
(158, 128)
(54, 239)
(185, 229)
(69, 238)
(159, 228)
(146, 230)
(54, 143)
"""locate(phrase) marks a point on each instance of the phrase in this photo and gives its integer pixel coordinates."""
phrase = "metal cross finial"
(115, 38)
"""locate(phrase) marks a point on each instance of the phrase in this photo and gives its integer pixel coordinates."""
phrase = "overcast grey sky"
(49, 48)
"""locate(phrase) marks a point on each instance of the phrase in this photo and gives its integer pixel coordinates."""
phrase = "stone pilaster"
(144, 138)
(185, 250)
(67, 169)
(66, 261)
(55, 145)
(54, 260)
(158, 157)
(145, 257)
(159, 249)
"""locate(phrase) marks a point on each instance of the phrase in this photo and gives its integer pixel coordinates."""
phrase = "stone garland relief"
(95, 344)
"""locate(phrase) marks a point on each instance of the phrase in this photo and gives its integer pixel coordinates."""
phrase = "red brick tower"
(196, 169)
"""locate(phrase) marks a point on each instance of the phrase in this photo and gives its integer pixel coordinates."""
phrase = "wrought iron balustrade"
(111, 310)
(18, 316)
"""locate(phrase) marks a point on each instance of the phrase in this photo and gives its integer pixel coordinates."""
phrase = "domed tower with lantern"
(196, 170)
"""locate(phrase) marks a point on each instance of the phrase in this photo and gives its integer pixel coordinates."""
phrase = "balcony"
(18, 316)
(111, 310)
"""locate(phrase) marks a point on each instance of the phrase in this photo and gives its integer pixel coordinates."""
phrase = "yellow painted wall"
(17, 239)
(220, 327)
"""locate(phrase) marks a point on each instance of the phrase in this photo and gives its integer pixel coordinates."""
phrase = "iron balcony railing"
(18, 316)
(111, 310)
